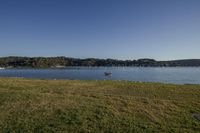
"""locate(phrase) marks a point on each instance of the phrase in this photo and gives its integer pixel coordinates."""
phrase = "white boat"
(107, 73)
(2, 68)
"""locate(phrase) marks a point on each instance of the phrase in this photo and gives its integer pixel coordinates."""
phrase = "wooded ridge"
(59, 62)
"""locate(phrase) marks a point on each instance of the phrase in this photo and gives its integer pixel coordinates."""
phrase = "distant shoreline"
(63, 62)
(68, 67)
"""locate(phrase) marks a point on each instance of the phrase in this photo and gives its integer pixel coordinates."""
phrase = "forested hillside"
(59, 62)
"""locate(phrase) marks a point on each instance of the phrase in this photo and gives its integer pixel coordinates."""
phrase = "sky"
(118, 29)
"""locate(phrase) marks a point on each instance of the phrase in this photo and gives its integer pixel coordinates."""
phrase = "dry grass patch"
(42, 106)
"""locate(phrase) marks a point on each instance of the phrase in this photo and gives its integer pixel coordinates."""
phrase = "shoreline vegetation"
(32, 105)
(62, 62)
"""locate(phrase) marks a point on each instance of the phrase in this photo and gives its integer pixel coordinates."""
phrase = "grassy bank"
(97, 106)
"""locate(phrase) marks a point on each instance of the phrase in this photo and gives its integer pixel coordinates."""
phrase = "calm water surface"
(178, 75)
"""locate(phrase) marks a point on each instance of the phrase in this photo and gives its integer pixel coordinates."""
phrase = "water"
(177, 75)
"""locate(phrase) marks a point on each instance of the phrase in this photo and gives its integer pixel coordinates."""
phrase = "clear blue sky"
(120, 29)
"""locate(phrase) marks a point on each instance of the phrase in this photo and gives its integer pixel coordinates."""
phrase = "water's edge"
(174, 75)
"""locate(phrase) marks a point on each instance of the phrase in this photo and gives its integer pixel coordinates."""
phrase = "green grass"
(48, 106)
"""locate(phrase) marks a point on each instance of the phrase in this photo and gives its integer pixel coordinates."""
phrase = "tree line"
(59, 62)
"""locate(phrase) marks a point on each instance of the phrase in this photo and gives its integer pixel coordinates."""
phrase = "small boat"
(2, 68)
(107, 73)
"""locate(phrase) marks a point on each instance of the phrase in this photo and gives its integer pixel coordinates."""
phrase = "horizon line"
(99, 58)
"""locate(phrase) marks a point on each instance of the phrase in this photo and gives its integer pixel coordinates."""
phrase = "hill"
(53, 62)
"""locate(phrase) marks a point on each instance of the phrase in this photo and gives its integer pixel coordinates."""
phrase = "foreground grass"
(97, 106)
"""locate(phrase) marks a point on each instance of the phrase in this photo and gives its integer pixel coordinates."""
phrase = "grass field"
(48, 106)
